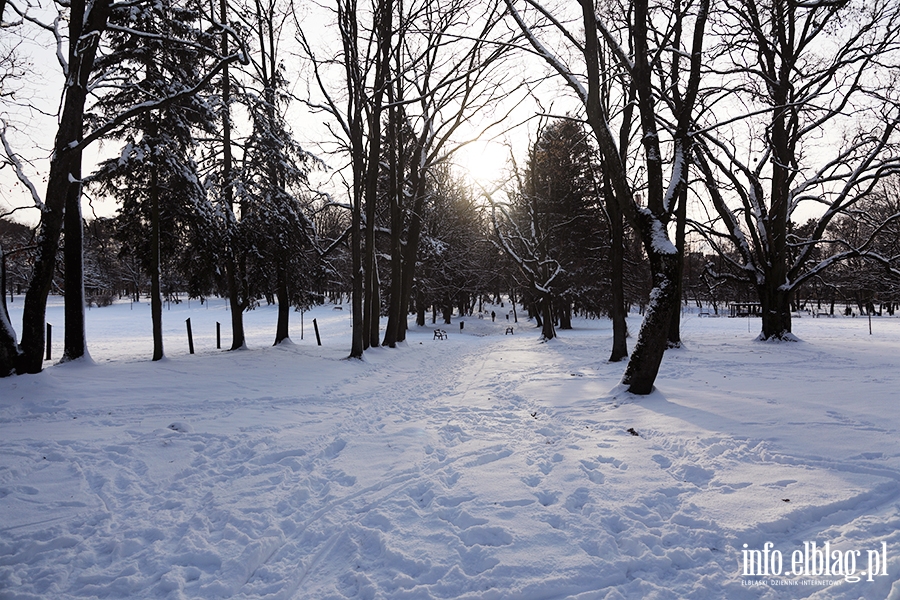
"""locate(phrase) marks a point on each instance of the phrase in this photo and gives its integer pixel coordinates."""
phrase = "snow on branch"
(16, 164)
(143, 107)
(546, 54)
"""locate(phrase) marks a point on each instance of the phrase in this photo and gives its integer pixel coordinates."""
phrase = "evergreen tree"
(561, 179)
(278, 236)
(163, 205)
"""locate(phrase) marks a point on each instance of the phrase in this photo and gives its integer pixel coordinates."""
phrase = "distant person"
(493, 316)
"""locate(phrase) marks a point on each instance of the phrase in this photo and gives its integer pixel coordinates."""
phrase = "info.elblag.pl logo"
(816, 561)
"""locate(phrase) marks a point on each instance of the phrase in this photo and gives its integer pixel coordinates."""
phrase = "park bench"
(440, 334)
(509, 331)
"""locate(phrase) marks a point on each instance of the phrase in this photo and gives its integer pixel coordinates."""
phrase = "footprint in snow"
(547, 498)
(334, 448)
(662, 461)
(590, 469)
(531, 480)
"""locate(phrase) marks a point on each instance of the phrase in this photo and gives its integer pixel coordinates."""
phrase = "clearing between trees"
(481, 466)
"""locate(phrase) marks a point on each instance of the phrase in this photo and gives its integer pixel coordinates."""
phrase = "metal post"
(190, 335)
(316, 327)
(49, 335)
(218, 336)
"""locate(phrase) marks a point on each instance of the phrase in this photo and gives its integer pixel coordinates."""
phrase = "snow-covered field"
(481, 466)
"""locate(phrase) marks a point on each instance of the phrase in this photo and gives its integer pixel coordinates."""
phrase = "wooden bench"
(509, 331)
(440, 334)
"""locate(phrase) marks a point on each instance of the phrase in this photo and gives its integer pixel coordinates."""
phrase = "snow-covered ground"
(481, 466)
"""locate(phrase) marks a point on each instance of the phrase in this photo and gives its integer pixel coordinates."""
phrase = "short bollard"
(49, 335)
(190, 335)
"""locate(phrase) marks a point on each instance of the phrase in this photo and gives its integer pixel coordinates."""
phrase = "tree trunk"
(34, 311)
(155, 292)
(545, 316)
(234, 301)
(232, 277)
(564, 310)
(75, 345)
(398, 304)
(680, 224)
(9, 353)
(356, 299)
(776, 312)
(448, 310)
(71, 124)
(617, 278)
(284, 305)
(652, 340)
(414, 232)
(420, 309)
(512, 300)
(374, 307)
(369, 299)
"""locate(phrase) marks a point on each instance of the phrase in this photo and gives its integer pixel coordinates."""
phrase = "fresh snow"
(481, 466)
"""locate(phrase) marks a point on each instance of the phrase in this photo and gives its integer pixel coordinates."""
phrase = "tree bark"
(284, 305)
(155, 291)
(374, 307)
(397, 303)
(548, 331)
(75, 344)
(414, 232)
(680, 225)
(232, 278)
(776, 312)
(71, 124)
(617, 279)
(564, 310)
(420, 309)
(234, 300)
(643, 367)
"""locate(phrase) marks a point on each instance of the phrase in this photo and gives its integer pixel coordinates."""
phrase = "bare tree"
(452, 76)
(522, 233)
(816, 87)
(428, 76)
(867, 240)
(654, 33)
(356, 103)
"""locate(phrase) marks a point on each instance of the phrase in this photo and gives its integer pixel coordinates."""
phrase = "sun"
(485, 163)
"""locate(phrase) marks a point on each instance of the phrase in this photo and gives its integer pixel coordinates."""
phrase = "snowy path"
(484, 466)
